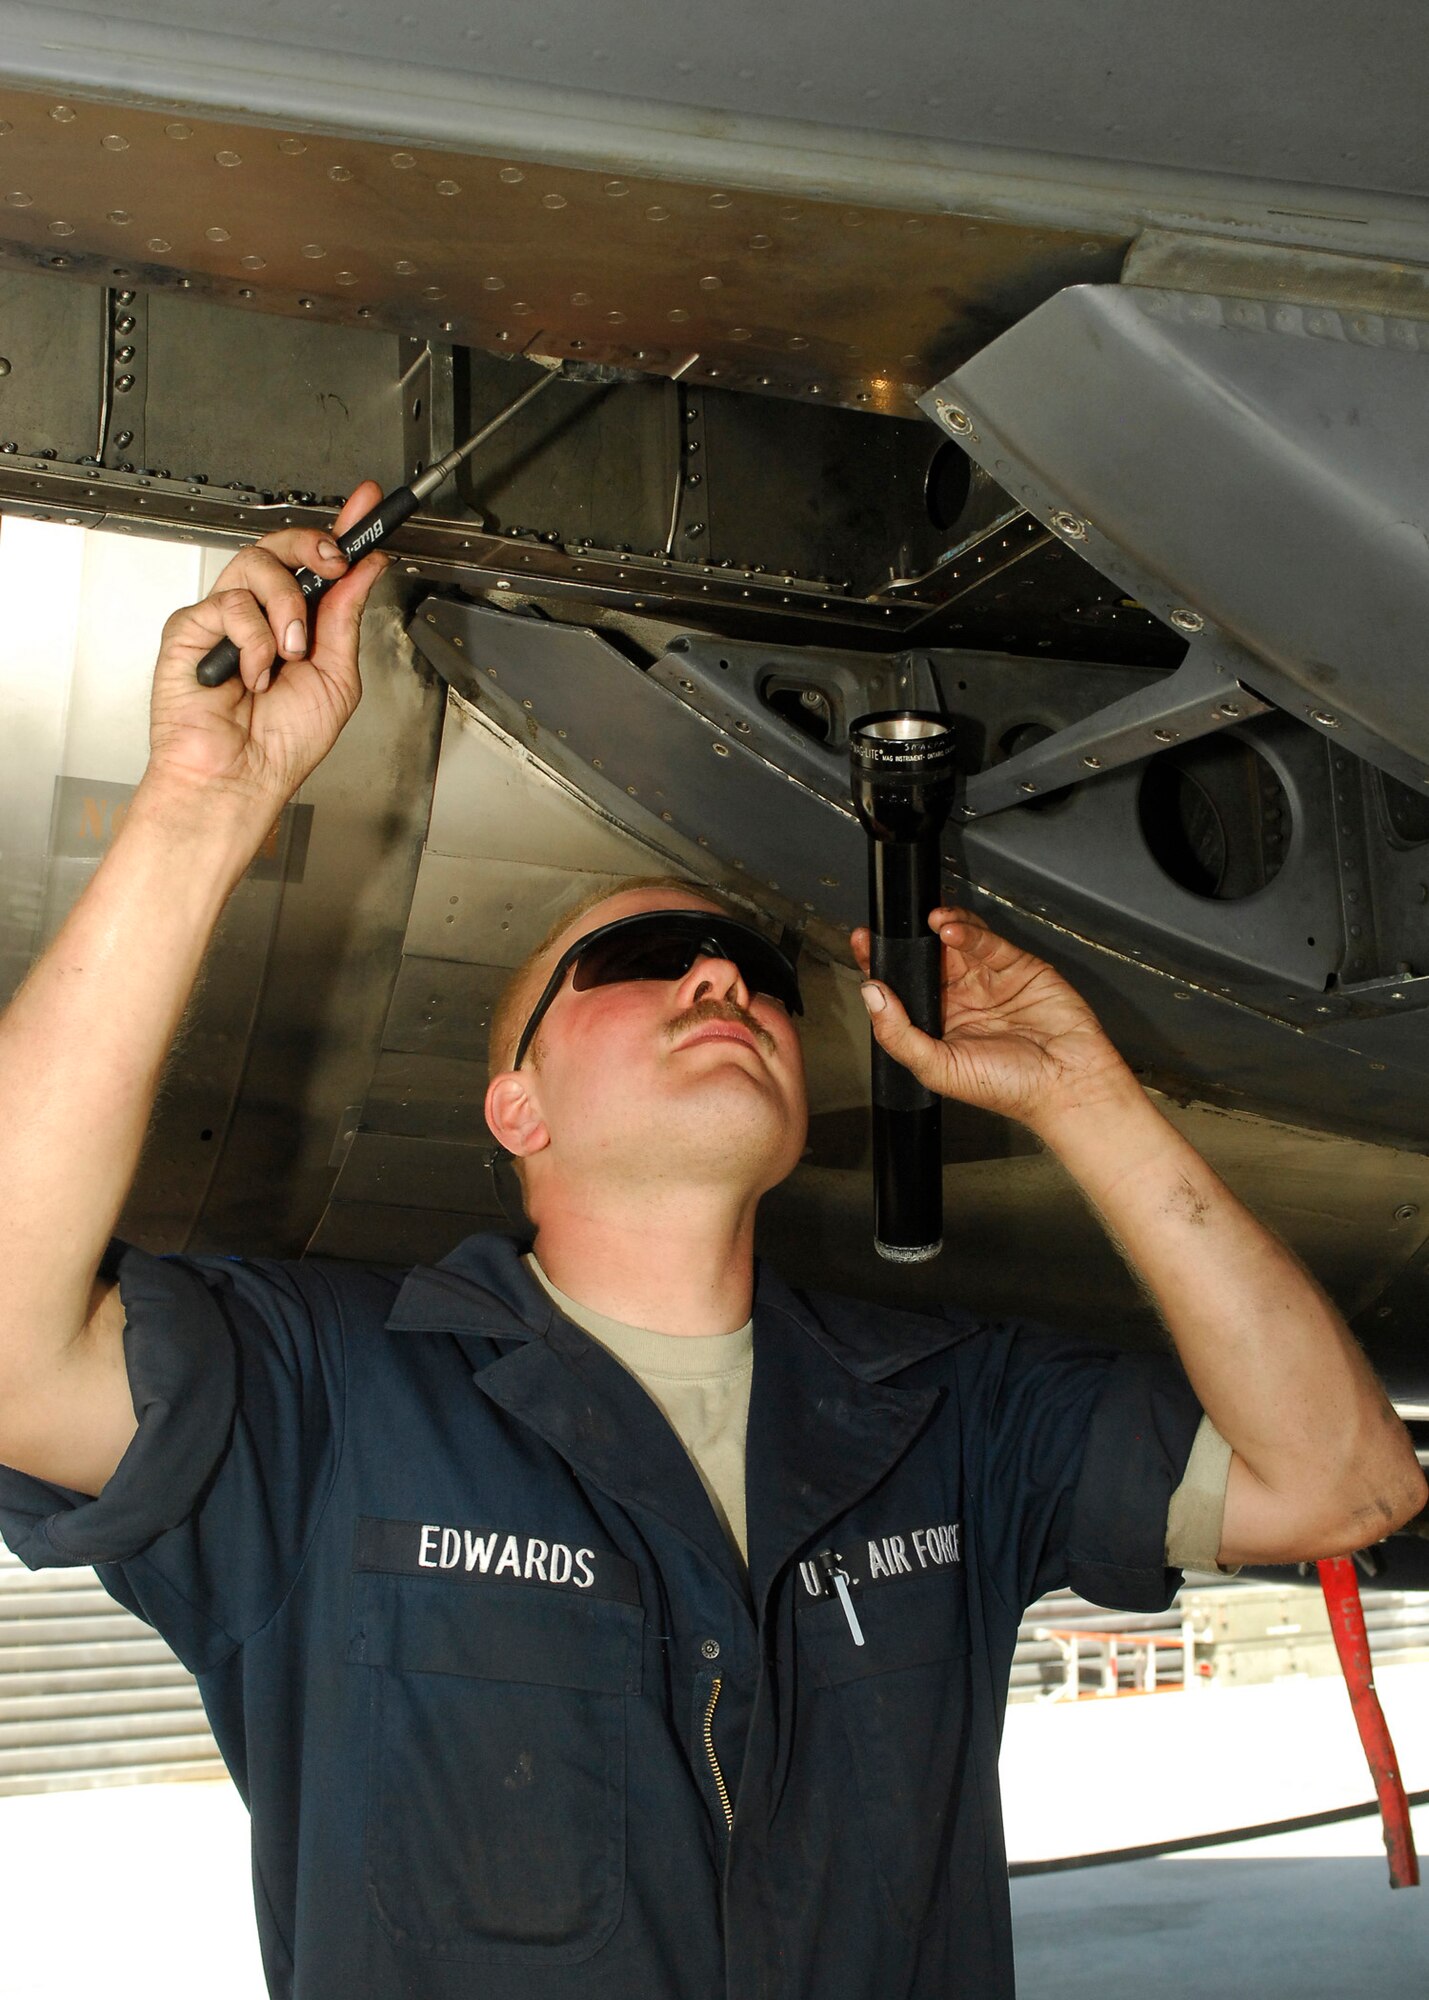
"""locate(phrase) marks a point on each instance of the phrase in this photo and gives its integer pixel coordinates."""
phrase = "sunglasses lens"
(667, 950)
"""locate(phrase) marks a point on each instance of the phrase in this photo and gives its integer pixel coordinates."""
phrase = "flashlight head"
(903, 769)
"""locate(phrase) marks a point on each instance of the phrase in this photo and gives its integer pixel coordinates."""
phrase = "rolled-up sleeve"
(236, 1372)
(1077, 1450)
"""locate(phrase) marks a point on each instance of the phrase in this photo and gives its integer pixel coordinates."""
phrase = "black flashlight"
(903, 776)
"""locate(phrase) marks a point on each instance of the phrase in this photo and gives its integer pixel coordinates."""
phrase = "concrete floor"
(1305, 1916)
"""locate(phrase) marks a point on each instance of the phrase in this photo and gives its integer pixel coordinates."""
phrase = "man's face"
(667, 1080)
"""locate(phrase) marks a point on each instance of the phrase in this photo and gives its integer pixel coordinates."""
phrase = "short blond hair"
(522, 990)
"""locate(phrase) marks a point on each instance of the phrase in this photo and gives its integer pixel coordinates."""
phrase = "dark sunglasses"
(664, 944)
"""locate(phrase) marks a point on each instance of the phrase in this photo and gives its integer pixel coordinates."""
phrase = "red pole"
(1342, 1600)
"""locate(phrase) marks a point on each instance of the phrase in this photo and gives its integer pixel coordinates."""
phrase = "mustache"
(705, 1011)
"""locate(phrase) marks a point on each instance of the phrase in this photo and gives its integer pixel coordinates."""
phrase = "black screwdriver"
(220, 662)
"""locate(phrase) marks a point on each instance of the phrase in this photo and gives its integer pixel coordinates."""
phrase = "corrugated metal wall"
(88, 1694)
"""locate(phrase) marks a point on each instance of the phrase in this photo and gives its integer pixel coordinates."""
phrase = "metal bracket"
(1198, 698)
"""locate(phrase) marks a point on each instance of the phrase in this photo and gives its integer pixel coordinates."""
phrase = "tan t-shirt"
(700, 1383)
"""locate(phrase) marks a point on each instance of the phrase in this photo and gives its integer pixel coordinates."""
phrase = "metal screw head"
(124, 383)
(1092, 763)
(1231, 708)
(4, 365)
(1163, 735)
(124, 439)
(1028, 787)
(1324, 718)
(1186, 620)
(1070, 525)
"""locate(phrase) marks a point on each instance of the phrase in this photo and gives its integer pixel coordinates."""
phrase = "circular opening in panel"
(946, 487)
(1215, 818)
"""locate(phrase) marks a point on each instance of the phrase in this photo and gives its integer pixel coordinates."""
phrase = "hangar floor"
(1298, 1916)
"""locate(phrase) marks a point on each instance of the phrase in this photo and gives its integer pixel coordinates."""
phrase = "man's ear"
(513, 1113)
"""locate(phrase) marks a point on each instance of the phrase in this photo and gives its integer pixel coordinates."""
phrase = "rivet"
(1028, 787)
(955, 419)
(448, 187)
(710, 283)
(253, 263)
(1186, 620)
(493, 284)
(1092, 763)
(62, 229)
(124, 439)
(797, 340)
(1231, 708)
(346, 277)
(657, 214)
(678, 313)
(433, 292)
(119, 216)
(402, 161)
(616, 318)
(20, 200)
(292, 146)
(178, 130)
(314, 250)
(307, 304)
(124, 354)
(582, 299)
(720, 749)
(1164, 735)
(512, 176)
(404, 267)
(62, 115)
(760, 242)
(160, 244)
(216, 234)
(520, 307)
(553, 201)
(114, 142)
(1324, 718)
(339, 173)
(124, 383)
(721, 200)
(1070, 525)
(228, 158)
(1406, 1211)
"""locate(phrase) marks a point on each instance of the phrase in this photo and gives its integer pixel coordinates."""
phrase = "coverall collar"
(824, 1424)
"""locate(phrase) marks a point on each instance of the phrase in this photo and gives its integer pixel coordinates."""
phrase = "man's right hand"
(263, 731)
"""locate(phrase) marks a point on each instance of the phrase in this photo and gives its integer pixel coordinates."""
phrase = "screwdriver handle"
(220, 662)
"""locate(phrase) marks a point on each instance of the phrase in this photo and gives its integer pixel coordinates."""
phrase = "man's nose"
(719, 977)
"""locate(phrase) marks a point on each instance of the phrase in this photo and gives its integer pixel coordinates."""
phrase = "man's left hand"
(1016, 1038)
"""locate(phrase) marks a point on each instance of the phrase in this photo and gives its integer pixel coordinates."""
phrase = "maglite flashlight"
(903, 774)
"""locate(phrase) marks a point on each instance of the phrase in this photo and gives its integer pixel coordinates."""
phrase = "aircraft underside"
(1088, 411)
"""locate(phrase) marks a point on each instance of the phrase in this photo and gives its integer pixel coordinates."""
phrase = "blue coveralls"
(510, 1720)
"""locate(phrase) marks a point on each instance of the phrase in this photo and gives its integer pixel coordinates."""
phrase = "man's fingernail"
(295, 639)
(261, 684)
(330, 552)
(873, 998)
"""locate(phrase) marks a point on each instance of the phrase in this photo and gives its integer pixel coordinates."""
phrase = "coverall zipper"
(715, 1685)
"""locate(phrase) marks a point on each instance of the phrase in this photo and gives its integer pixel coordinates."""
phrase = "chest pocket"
(496, 1785)
(901, 1704)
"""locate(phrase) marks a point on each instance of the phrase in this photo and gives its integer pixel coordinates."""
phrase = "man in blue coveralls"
(612, 1620)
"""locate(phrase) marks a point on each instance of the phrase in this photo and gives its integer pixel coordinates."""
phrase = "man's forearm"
(84, 1042)
(1269, 1357)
